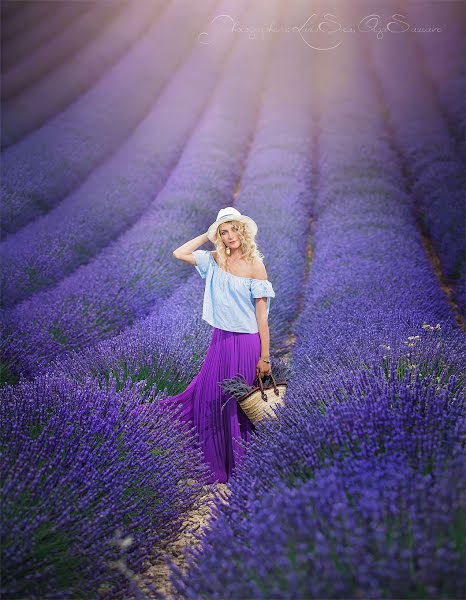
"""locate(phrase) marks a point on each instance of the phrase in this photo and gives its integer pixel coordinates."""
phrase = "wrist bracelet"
(267, 361)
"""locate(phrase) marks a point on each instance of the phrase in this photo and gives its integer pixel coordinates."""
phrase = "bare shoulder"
(258, 270)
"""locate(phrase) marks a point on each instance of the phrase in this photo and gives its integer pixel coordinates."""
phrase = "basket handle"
(259, 378)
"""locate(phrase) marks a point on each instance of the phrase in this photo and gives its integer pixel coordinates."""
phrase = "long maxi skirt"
(229, 353)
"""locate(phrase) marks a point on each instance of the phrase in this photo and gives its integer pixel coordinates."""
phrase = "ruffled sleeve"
(262, 288)
(202, 258)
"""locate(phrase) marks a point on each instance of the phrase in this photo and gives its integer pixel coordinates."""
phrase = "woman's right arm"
(185, 251)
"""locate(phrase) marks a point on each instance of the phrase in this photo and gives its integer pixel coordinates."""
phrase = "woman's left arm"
(263, 326)
(260, 272)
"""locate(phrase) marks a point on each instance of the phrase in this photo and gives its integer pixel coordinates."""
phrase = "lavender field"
(340, 129)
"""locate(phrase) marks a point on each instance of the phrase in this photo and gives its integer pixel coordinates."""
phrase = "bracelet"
(267, 361)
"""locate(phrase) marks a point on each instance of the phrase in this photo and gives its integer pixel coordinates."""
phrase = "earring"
(228, 251)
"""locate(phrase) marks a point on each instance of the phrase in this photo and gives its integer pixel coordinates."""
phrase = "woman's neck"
(235, 256)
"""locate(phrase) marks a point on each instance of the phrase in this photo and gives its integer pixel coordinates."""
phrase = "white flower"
(126, 542)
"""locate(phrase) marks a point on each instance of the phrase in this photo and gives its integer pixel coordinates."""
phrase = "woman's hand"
(263, 367)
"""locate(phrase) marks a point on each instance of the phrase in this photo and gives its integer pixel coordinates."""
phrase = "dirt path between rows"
(158, 574)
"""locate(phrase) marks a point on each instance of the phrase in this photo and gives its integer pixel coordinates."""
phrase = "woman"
(236, 304)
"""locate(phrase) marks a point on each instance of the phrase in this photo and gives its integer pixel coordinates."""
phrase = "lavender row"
(33, 13)
(9, 9)
(276, 188)
(166, 347)
(51, 90)
(372, 285)
(443, 58)
(86, 481)
(18, 47)
(369, 436)
(164, 350)
(430, 159)
(116, 193)
(138, 548)
(132, 275)
(369, 504)
(64, 33)
(41, 169)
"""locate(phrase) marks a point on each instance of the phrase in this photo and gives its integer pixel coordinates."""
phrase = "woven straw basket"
(261, 401)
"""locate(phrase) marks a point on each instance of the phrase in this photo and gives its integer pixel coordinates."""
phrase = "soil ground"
(158, 574)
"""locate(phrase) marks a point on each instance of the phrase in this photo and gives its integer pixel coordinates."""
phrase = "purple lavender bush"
(66, 39)
(355, 495)
(435, 172)
(80, 465)
(34, 45)
(163, 350)
(18, 19)
(443, 62)
(356, 529)
(97, 108)
(372, 286)
(276, 187)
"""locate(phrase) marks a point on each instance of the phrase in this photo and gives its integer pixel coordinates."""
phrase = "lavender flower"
(78, 464)
(364, 500)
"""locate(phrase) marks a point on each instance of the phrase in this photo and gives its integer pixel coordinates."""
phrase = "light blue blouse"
(229, 299)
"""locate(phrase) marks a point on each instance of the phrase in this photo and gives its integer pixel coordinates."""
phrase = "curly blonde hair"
(249, 247)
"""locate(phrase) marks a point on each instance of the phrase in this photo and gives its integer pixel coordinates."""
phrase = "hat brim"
(249, 222)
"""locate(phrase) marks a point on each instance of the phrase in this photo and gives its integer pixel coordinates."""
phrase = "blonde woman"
(236, 304)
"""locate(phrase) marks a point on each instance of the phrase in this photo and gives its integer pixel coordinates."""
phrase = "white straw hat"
(231, 214)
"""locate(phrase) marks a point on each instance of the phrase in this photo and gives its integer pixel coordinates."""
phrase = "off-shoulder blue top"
(229, 299)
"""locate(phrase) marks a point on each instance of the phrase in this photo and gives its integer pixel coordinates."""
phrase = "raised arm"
(185, 252)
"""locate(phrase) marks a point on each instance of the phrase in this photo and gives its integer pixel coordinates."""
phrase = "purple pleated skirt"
(229, 353)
